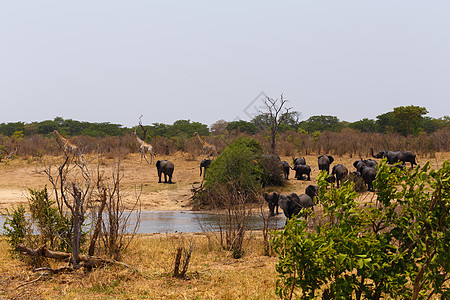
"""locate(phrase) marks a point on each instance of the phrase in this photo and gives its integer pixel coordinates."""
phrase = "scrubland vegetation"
(392, 246)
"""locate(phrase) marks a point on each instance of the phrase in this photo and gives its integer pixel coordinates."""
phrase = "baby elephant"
(272, 200)
(301, 170)
(285, 169)
(166, 167)
(340, 172)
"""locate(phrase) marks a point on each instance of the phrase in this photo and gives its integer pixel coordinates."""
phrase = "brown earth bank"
(141, 179)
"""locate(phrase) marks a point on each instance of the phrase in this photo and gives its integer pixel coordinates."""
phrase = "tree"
(242, 126)
(364, 125)
(322, 123)
(408, 119)
(219, 127)
(385, 122)
(274, 108)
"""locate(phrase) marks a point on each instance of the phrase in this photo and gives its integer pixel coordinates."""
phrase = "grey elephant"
(368, 174)
(324, 162)
(340, 172)
(285, 167)
(396, 156)
(299, 161)
(292, 204)
(301, 170)
(166, 167)
(205, 163)
(272, 200)
(358, 164)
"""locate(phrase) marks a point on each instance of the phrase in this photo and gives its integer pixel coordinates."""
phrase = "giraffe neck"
(200, 139)
(139, 140)
(60, 136)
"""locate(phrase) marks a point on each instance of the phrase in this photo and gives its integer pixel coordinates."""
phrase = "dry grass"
(212, 274)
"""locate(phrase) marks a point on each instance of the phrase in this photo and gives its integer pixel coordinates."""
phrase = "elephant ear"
(294, 197)
(285, 204)
(314, 189)
(266, 197)
(331, 158)
(275, 196)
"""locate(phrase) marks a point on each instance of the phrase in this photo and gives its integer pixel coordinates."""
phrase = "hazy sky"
(112, 61)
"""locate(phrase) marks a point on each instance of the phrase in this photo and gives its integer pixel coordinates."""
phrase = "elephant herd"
(364, 168)
(292, 204)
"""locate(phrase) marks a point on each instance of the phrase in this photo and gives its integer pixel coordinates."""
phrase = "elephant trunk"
(371, 152)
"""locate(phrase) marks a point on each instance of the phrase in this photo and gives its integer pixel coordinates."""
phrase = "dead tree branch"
(274, 108)
(85, 260)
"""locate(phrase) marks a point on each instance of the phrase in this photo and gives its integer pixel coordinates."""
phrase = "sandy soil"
(20, 174)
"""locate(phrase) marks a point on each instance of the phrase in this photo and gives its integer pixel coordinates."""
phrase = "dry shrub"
(192, 147)
(164, 146)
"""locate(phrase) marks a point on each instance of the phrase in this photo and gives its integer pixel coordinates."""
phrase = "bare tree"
(276, 118)
(144, 130)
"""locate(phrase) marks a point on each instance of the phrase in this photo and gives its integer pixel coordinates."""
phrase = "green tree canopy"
(242, 126)
(408, 118)
(321, 123)
(364, 125)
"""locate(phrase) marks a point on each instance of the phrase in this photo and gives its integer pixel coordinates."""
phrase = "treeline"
(404, 120)
(403, 128)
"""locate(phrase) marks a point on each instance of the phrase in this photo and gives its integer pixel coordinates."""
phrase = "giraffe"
(206, 147)
(144, 147)
(68, 146)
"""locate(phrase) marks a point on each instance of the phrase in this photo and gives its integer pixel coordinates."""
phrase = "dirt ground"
(20, 174)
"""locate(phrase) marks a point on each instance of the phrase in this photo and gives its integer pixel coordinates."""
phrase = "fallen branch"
(29, 282)
(86, 260)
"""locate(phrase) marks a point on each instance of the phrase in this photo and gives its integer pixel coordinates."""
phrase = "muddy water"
(187, 221)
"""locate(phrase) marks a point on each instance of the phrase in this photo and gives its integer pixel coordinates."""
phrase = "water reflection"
(187, 221)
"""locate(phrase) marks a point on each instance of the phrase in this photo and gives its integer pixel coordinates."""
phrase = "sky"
(115, 61)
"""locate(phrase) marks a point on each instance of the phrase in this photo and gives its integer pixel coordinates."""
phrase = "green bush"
(241, 165)
(45, 226)
(239, 162)
(15, 227)
(396, 248)
(54, 227)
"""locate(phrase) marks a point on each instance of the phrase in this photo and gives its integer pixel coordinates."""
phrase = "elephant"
(205, 163)
(325, 162)
(340, 172)
(358, 164)
(272, 200)
(368, 174)
(292, 204)
(407, 156)
(299, 161)
(285, 168)
(300, 170)
(331, 178)
(364, 162)
(166, 167)
(396, 156)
